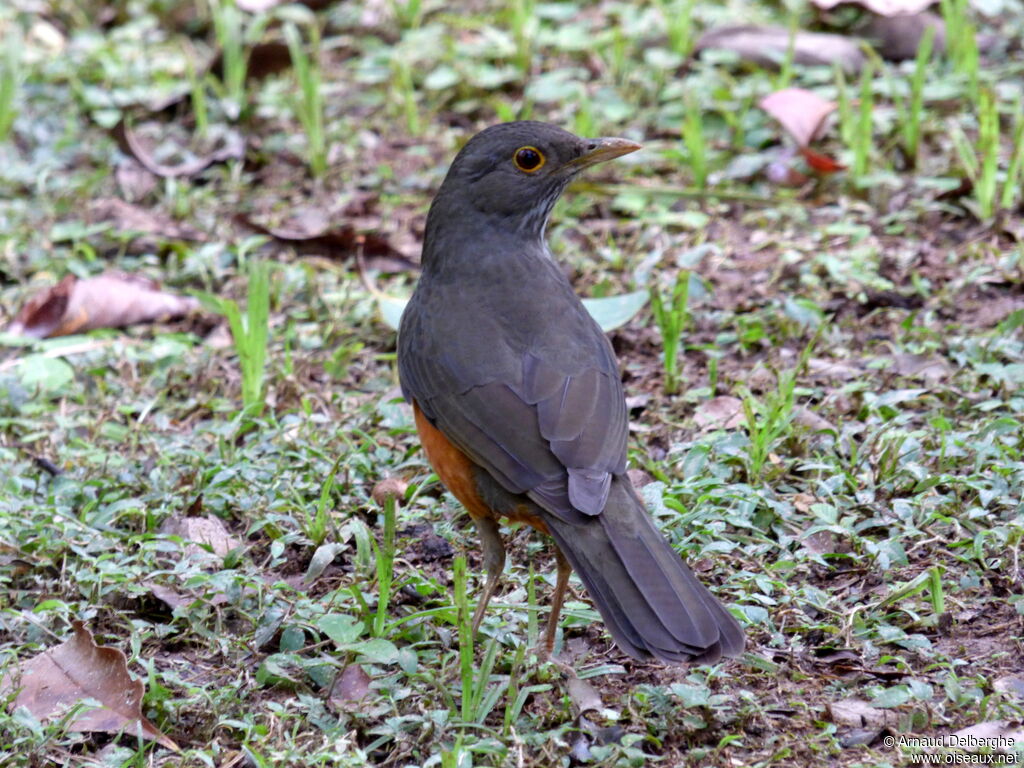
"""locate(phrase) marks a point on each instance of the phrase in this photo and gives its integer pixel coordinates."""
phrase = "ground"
(841, 464)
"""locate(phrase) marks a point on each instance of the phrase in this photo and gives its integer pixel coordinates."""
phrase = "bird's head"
(513, 173)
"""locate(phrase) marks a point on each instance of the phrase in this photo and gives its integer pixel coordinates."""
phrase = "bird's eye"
(528, 159)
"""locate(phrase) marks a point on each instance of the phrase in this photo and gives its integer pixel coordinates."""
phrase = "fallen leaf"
(231, 147)
(172, 597)
(800, 112)
(208, 530)
(993, 731)
(584, 695)
(316, 231)
(134, 181)
(351, 685)
(821, 163)
(1011, 684)
(768, 46)
(860, 714)
(897, 38)
(859, 737)
(834, 369)
(78, 669)
(322, 557)
(110, 300)
(805, 417)
(722, 412)
(931, 368)
(881, 7)
(132, 218)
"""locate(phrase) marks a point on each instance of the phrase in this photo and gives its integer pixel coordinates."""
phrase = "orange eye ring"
(528, 159)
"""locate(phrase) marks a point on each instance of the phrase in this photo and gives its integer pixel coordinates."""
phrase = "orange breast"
(457, 472)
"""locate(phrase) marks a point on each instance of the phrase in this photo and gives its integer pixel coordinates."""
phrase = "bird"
(518, 399)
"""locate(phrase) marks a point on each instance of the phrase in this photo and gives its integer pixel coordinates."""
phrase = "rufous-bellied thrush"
(519, 403)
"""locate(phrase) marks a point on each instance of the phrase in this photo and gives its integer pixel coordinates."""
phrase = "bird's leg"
(561, 585)
(494, 563)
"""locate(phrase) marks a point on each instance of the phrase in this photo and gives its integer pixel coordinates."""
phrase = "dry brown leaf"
(722, 412)
(79, 669)
(314, 230)
(1012, 684)
(132, 218)
(584, 695)
(768, 46)
(860, 714)
(992, 732)
(881, 7)
(208, 531)
(808, 419)
(930, 368)
(897, 38)
(134, 181)
(351, 685)
(800, 112)
(834, 369)
(110, 300)
(231, 147)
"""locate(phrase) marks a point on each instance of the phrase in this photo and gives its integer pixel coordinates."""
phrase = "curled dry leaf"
(78, 669)
(110, 300)
(231, 147)
(881, 7)
(312, 230)
(584, 695)
(800, 112)
(768, 46)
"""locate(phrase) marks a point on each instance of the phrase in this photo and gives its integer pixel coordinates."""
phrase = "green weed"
(10, 80)
(385, 566)
(914, 110)
(227, 26)
(672, 317)
(696, 143)
(309, 103)
(251, 334)
(862, 134)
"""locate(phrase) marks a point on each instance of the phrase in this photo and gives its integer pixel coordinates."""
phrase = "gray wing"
(547, 419)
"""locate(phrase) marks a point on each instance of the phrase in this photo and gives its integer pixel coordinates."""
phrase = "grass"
(251, 333)
(857, 506)
(672, 315)
(309, 103)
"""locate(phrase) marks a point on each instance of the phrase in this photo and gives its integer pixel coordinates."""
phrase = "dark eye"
(528, 159)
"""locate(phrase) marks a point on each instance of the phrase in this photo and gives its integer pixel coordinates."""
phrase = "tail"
(650, 600)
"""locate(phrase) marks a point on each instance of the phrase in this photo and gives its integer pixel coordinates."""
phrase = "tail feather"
(650, 600)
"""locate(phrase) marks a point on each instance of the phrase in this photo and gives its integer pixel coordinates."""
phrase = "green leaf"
(610, 312)
(891, 697)
(341, 628)
(391, 310)
(377, 650)
(45, 373)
